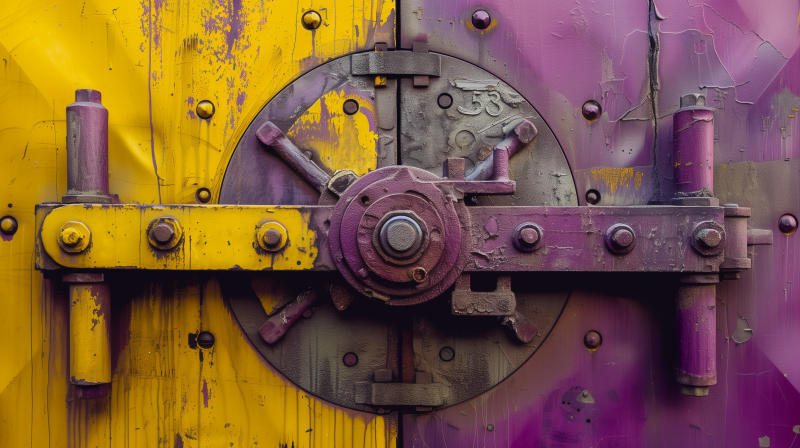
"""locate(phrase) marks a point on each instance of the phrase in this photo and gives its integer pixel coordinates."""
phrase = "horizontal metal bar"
(219, 237)
(396, 63)
(574, 239)
(401, 394)
(223, 237)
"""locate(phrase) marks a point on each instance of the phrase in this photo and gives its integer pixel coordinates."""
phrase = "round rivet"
(592, 340)
(164, 233)
(481, 19)
(311, 20)
(592, 197)
(203, 195)
(350, 107)
(419, 274)
(350, 359)
(205, 339)
(8, 225)
(445, 101)
(308, 313)
(272, 236)
(787, 224)
(591, 110)
(447, 354)
(484, 152)
(205, 109)
(74, 237)
(490, 427)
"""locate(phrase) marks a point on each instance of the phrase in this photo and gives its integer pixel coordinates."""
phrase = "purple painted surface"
(696, 328)
(87, 149)
(693, 135)
(743, 56)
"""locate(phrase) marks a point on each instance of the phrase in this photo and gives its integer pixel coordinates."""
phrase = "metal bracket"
(396, 64)
(500, 302)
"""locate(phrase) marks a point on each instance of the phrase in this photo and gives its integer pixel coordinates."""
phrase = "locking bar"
(254, 238)
(396, 63)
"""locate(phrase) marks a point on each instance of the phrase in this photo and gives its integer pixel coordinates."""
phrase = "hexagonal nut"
(341, 181)
(74, 237)
(272, 236)
(164, 233)
(708, 238)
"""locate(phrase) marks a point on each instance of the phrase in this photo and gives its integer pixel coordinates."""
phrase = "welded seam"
(652, 72)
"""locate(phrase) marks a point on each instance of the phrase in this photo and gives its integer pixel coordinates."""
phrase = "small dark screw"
(308, 313)
(592, 197)
(490, 427)
(350, 359)
(591, 110)
(481, 19)
(8, 225)
(205, 339)
(787, 224)
(445, 101)
(447, 354)
(592, 340)
(350, 107)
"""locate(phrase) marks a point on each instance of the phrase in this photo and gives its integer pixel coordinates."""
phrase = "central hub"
(401, 237)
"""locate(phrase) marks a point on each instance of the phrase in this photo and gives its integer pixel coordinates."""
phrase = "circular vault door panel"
(463, 113)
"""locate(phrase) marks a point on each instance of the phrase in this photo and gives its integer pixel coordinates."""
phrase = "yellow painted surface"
(89, 345)
(214, 237)
(153, 61)
(348, 139)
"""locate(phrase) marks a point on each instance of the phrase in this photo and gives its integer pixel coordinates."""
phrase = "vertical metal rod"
(693, 136)
(697, 324)
(89, 327)
(87, 149)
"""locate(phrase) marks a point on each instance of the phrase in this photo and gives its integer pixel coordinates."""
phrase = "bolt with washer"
(709, 238)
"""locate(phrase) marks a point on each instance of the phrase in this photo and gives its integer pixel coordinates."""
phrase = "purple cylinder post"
(736, 241)
(697, 344)
(500, 162)
(87, 149)
(693, 136)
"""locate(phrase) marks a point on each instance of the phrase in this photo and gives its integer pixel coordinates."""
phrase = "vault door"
(336, 340)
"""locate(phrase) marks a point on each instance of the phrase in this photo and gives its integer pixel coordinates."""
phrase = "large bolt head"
(71, 237)
(163, 232)
(272, 237)
(401, 237)
(620, 238)
(205, 109)
(623, 238)
(528, 236)
(311, 20)
(709, 237)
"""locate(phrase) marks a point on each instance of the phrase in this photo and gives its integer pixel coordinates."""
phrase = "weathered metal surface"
(89, 330)
(500, 302)
(696, 329)
(396, 63)
(401, 394)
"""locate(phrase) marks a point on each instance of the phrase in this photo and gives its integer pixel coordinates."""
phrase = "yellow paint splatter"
(616, 178)
(342, 141)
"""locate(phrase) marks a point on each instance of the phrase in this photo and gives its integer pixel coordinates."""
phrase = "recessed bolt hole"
(203, 195)
(588, 421)
(447, 354)
(592, 340)
(445, 101)
(8, 225)
(592, 197)
(481, 19)
(350, 359)
(419, 274)
(311, 20)
(591, 110)
(787, 224)
(205, 109)
(205, 339)
(350, 107)
(365, 200)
